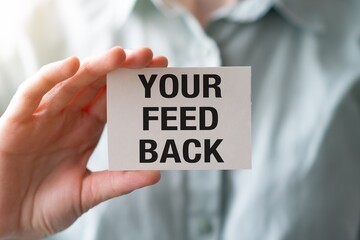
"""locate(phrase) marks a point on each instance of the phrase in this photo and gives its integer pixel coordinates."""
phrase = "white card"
(179, 118)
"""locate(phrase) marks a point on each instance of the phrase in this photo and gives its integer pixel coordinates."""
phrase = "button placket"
(204, 204)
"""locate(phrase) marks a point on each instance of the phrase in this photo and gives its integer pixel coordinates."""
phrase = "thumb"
(101, 186)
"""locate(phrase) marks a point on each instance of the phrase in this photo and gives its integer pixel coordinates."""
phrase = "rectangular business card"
(179, 118)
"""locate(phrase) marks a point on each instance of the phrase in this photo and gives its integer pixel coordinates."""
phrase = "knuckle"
(43, 76)
(69, 89)
(88, 69)
(25, 91)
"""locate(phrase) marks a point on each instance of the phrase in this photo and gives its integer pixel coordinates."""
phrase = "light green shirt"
(305, 55)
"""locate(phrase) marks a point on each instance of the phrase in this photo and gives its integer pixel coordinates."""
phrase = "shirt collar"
(303, 13)
(310, 15)
(330, 16)
(245, 11)
(121, 11)
(307, 14)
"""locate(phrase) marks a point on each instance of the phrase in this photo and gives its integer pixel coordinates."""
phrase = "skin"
(203, 9)
(47, 135)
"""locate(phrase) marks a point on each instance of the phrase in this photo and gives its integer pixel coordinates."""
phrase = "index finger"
(29, 94)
